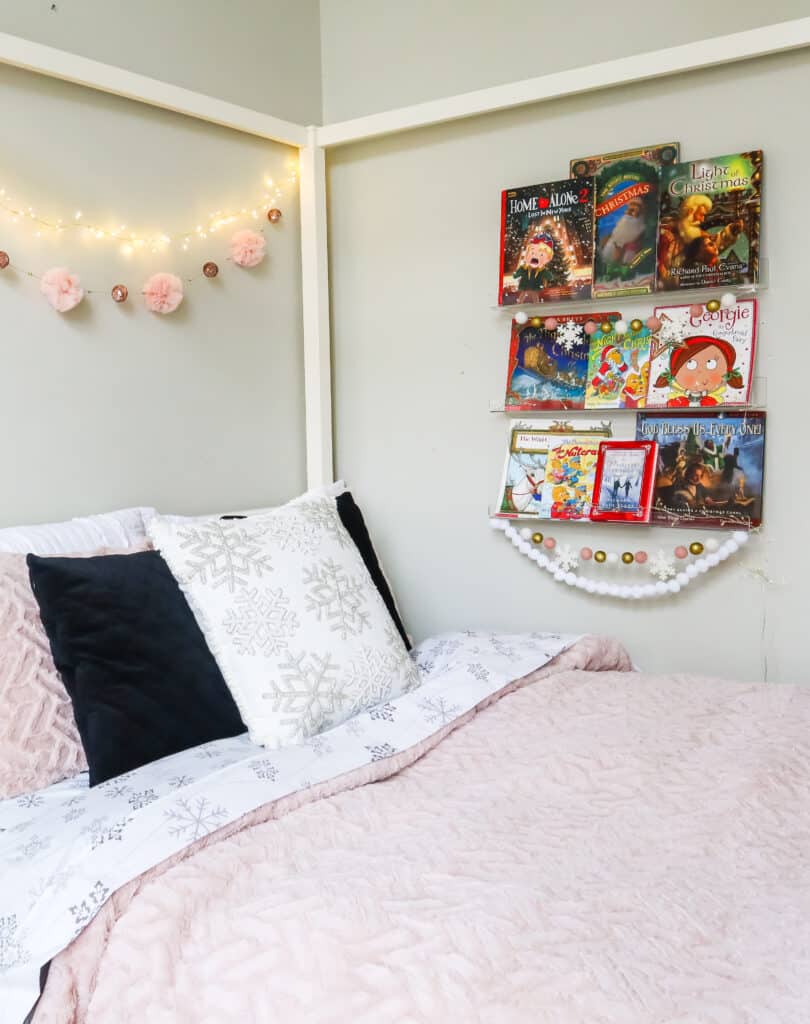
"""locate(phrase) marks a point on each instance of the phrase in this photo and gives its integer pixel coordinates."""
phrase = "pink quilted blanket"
(592, 847)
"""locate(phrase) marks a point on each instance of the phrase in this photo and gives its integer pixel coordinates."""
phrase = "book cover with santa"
(546, 242)
(709, 222)
(626, 216)
(618, 368)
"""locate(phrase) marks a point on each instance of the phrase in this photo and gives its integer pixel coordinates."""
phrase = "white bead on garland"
(560, 563)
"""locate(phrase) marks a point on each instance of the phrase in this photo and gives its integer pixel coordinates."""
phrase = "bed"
(490, 827)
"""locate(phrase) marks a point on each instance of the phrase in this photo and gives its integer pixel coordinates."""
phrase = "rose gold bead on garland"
(274, 215)
(681, 551)
(628, 557)
(641, 557)
(636, 325)
(551, 323)
(590, 327)
(586, 554)
(599, 556)
(653, 322)
(119, 293)
(550, 543)
(4, 260)
(696, 310)
(537, 538)
(713, 305)
(696, 548)
(210, 269)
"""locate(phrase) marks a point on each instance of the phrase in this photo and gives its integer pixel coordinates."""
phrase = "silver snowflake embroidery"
(264, 769)
(142, 799)
(309, 692)
(30, 800)
(380, 751)
(50, 883)
(320, 747)
(192, 819)
(336, 598)
(569, 335)
(426, 665)
(662, 566)
(179, 781)
(438, 710)
(260, 622)
(448, 646)
(291, 532)
(500, 646)
(101, 832)
(35, 845)
(383, 713)
(88, 908)
(478, 671)
(323, 516)
(223, 553)
(12, 951)
(73, 813)
(566, 557)
(354, 727)
(370, 677)
(115, 789)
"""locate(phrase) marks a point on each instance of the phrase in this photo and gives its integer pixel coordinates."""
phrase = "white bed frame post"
(315, 294)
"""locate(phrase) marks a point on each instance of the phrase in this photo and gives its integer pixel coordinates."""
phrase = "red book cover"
(624, 485)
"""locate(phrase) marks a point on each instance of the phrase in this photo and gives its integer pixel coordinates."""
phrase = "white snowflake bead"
(711, 544)
(521, 317)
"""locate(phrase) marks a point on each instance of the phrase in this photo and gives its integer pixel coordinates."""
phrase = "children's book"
(709, 221)
(522, 491)
(706, 360)
(548, 369)
(570, 472)
(625, 482)
(546, 242)
(618, 369)
(626, 216)
(710, 467)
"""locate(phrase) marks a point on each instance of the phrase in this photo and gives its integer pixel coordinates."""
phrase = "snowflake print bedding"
(65, 850)
(289, 610)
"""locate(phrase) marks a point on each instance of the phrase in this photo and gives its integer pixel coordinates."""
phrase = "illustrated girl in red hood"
(700, 371)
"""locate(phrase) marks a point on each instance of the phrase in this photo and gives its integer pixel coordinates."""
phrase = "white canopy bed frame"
(313, 141)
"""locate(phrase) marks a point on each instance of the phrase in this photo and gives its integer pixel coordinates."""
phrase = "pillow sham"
(290, 611)
(142, 681)
(125, 528)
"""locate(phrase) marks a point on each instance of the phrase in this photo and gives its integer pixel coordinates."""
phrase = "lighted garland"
(560, 561)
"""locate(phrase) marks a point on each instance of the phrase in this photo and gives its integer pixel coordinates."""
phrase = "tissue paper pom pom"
(61, 289)
(163, 293)
(247, 248)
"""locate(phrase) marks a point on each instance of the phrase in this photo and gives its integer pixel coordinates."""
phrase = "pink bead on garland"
(681, 551)
(586, 554)
(696, 310)
(641, 557)
(551, 323)
(550, 543)
(653, 323)
(591, 326)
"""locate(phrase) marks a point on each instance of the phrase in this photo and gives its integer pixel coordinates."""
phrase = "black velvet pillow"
(352, 519)
(136, 666)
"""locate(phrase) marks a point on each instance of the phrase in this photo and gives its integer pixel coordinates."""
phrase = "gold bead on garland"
(713, 305)
(599, 556)
(636, 325)
(628, 557)
(606, 327)
(537, 538)
(695, 548)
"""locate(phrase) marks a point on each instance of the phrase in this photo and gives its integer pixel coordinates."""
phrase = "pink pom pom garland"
(62, 289)
(248, 248)
(163, 293)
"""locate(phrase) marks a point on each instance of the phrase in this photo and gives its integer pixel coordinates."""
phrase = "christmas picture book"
(570, 472)
(626, 199)
(546, 242)
(548, 368)
(523, 490)
(710, 467)
(709, 222)
(706, 360)
(618, 369)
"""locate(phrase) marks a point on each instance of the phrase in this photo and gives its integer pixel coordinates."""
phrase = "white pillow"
(122, 529)
(326, 491)
(298, 628)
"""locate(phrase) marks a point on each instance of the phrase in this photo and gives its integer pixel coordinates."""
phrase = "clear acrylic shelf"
(683, 296)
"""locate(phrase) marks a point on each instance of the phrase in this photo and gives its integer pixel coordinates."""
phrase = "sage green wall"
(378, 56)
(419, 352)
(262, 54)
(111, 405)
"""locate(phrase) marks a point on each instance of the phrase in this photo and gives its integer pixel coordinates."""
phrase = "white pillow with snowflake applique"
(299, 630)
